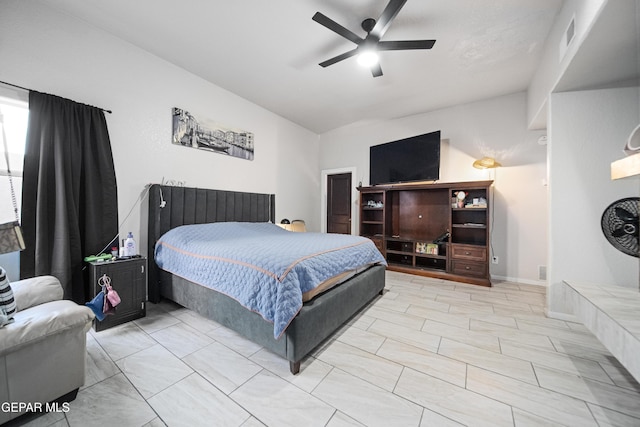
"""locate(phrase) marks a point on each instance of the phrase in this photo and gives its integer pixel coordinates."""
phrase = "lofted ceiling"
(268, 51)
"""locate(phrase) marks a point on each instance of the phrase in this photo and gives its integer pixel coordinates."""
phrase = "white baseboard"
(562, 316)
(519, 280)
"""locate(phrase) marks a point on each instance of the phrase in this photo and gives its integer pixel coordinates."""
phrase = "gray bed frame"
(317, 320)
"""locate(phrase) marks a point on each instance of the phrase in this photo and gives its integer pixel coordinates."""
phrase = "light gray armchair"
(43, 352)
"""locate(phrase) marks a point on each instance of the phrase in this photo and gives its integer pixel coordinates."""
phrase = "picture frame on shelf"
(427, 248)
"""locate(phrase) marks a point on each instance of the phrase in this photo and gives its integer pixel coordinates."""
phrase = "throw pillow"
(7, 302)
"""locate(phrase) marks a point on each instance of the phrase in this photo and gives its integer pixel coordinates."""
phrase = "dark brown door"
(339, 203)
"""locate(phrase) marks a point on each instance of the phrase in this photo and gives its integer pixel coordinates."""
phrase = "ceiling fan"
(368, 47)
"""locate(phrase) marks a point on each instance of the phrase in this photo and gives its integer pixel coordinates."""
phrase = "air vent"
(571, 31)
(567, 37)
(542, 272)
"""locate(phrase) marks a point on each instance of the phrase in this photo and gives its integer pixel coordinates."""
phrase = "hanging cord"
(492, 212)
(140, 199)
(6, 157)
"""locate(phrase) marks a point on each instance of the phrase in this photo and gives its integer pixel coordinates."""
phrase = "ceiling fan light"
(367, 58)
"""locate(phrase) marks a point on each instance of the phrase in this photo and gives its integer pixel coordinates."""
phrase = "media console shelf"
(405, 220)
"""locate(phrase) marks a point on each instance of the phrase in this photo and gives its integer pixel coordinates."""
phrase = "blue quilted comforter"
(262, 266)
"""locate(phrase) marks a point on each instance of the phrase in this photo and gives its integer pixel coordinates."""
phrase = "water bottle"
(129, 245)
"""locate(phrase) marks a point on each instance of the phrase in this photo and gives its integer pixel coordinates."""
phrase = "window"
(14, 115)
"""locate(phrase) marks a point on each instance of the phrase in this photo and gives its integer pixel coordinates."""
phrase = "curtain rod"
(31, 90)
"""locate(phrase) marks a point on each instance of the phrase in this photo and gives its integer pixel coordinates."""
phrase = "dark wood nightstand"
(129, 279)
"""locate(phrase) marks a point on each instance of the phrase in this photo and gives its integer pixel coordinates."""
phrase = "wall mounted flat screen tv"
(406, 160)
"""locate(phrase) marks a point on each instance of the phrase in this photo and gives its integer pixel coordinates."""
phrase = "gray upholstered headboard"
(185, 205)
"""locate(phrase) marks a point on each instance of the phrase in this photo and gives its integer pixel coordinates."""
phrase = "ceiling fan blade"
(337, 28)
(389, 12)
(406, 44)
(339, 58)
(376, 70)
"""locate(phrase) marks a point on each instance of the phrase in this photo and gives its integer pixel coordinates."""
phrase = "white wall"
(495, 127)
(552, 65)
(588, 130)
(45, 50)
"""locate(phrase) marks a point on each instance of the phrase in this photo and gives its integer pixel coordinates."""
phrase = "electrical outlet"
(494, 259)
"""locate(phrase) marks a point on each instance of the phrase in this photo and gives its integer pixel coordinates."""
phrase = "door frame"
(354, 197)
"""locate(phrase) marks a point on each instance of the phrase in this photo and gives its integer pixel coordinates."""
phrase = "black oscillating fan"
(620, 225)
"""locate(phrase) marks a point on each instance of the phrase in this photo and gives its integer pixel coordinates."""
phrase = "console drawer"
(469, 252)
(469, 268)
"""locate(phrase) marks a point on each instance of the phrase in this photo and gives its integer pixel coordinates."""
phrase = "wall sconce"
(486, 163)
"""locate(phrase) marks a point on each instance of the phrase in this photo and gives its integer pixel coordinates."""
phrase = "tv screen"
(406, 160)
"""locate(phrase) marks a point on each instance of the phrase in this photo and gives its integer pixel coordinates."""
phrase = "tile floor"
(427, 353)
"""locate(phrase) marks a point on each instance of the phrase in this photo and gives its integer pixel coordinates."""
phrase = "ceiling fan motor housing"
(368, 24)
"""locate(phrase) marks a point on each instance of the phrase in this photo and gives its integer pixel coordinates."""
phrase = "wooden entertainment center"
(403, 220)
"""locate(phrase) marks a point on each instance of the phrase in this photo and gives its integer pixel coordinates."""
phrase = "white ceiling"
(268, 51)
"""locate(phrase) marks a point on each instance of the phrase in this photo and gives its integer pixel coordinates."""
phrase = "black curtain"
(69, 193)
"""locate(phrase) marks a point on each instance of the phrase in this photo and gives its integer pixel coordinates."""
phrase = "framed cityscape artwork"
(205, 134)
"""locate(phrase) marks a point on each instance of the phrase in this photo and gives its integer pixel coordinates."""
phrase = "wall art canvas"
(205, 134)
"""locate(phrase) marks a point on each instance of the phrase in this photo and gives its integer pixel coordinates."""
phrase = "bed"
(317, 319)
